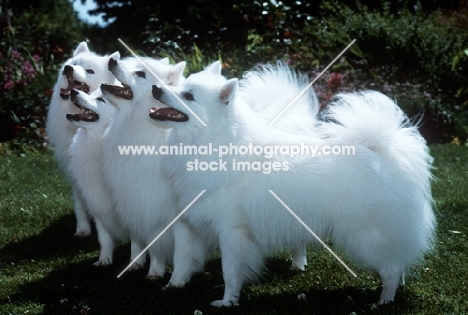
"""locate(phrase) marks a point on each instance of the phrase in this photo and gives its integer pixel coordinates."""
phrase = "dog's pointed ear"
(229, 91)
(115, 56)
(164, 61)
(177, 73)
(214, 68)
(82, 47)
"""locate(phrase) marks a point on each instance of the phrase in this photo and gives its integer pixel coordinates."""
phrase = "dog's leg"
(190, 252)
(241, 261)
(402, 279)
(83, 224)
(390, 277)
(136, 248)
(157, 264)
(106, 242)
(299, 257)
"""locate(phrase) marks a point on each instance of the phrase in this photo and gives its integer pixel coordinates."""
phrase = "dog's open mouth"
(73, 84)
(167, 113)
(86, 114)
(123, 91)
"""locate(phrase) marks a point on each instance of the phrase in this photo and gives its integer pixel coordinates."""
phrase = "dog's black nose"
(68, 71)
(73, 94)
(157, 92)
(112, 64)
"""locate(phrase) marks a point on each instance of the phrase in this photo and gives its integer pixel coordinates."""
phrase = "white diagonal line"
(162, 232)
(312, 232)
(310, 84)
(162, 82)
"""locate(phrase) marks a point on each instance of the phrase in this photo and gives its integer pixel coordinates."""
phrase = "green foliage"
(460, 68)
(36, 38)
(25, 98)
(49, 28)
(195, 58)
(406, 54)
(411, 46)
(411, 50)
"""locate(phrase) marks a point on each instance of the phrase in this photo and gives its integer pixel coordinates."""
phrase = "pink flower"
(15, 55)
(28, 70)
(8, 85)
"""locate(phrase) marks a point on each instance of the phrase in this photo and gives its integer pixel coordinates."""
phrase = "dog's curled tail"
(373, 120)
(270, 89)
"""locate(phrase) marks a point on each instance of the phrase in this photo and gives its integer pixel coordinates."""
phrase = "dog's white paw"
(297, 267)
(83, 227)
(154, 277)
(156, 271)
(385, 301)
(171, 286)
(224, 303)
(135, 266)
(103, 261)
(83, 232)
(299, 259)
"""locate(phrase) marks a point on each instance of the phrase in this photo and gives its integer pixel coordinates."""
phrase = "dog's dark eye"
(91, 71)
(100, 99)
(188, 96)
(141, 74)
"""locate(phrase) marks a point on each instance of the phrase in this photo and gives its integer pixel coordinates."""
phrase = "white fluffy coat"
(375, 206)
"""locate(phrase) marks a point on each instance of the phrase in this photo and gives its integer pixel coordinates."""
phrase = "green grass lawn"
(45, 270)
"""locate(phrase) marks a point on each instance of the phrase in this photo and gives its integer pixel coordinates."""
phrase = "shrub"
(36, 38)
(25, 98)
(406, 54)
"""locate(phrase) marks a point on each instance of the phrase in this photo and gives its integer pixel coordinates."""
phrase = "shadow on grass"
(78, 286)
(75, 285)
(56, 240)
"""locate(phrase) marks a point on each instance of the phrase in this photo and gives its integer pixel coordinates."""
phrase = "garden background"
(414, 51)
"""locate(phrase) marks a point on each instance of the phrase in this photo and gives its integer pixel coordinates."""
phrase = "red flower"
(334, 82)
(49, 92)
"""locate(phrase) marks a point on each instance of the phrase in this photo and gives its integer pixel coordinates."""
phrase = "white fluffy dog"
(86, 167)
(143, 200)
(375, 205)
(84, 71)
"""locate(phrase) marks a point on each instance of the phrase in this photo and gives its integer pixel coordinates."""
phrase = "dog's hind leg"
(83, 224)
(299, 257)
(391, 277)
